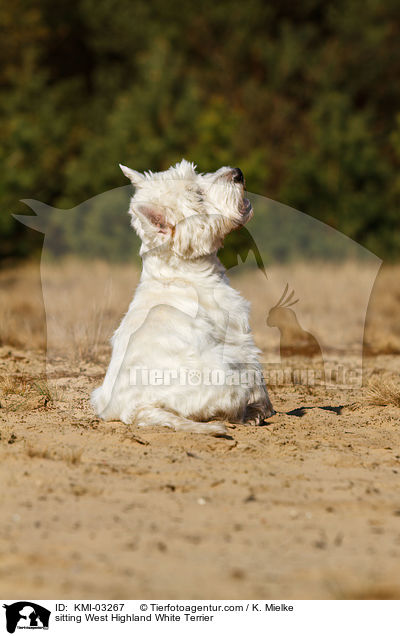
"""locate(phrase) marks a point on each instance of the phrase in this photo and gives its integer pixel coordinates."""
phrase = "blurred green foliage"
(303, 96)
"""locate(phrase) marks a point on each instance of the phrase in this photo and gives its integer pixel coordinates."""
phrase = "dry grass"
(333, 318)
(72, 455)
(20, 392)
(383, 392)
(47, 392)
(14, 385)
(69, 308)
(84, 303)
(22, 322)
(38, 452)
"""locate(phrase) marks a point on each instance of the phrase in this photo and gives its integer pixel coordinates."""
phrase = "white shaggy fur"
(184, 315)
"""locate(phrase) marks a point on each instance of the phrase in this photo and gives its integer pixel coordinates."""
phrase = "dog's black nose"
(237, 175)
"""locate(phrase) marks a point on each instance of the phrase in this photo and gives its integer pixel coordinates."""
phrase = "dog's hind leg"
(259, 407)
(155, 416)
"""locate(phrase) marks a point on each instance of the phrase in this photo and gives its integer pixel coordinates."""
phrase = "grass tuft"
(383, 392)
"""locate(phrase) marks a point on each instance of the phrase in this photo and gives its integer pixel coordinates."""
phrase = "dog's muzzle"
(246, 208)
(246, 213)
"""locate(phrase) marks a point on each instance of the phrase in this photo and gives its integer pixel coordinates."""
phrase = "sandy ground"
(307, 506)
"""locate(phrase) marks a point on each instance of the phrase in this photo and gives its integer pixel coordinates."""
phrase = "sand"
(305, 507)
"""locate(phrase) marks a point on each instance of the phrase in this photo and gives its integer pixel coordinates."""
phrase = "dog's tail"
(151, 416)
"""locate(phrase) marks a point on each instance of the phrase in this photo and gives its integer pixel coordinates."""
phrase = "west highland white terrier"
(183, 355)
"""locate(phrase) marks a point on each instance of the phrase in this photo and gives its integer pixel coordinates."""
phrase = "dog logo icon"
(26, 615)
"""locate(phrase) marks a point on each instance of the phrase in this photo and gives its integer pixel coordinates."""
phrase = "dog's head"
(187, 213)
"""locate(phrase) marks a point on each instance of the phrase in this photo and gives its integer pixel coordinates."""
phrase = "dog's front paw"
(269, 411)
(254, 421)
(255, 417)
(97, 400)
(100, 402)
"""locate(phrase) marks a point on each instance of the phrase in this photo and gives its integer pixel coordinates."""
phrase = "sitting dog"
(183, 355)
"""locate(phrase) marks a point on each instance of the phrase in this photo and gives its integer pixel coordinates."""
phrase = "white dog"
(183, 356)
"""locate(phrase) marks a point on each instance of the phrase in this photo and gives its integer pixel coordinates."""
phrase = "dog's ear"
(155, 215)
(135, 177)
